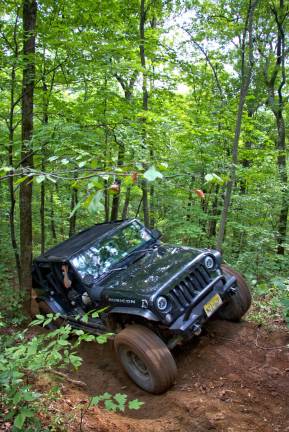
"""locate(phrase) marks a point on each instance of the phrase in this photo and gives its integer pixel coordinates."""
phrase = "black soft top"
(64, 250)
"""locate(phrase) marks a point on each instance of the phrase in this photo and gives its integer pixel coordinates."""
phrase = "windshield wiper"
(139, 251)
(106, 273)
(125, 267)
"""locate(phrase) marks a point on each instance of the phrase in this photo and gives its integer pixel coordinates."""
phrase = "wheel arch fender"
(143, 313)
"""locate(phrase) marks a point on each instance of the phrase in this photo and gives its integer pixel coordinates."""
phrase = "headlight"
(209, 262)
(162, 303)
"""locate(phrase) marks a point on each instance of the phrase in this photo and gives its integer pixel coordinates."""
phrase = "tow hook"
(232, 291)
(196, 329)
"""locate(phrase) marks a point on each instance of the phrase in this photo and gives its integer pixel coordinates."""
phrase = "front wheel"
(146, 359)
(239, 303)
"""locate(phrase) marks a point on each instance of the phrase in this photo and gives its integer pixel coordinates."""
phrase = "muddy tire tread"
(241, 302)
(153, 351)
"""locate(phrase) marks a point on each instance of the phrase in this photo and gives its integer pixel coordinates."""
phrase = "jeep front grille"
(186, 290)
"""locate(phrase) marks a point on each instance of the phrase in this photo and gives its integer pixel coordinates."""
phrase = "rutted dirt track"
(227, 382)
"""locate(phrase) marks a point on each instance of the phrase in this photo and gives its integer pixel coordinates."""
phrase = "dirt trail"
(226, 383)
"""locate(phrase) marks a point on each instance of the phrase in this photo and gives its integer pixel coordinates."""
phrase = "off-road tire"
(145, 358)
(239, 303)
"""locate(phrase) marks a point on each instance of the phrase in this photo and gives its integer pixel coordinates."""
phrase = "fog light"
(209, 262)
(162, 303)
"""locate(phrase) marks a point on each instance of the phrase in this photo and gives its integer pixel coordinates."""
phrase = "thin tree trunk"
(105, 182)
(145, 97)
(127, 86)
(29, 23)
(42, 186)
(145, 202)
(245, 162)
(277, 106)
(126, 204)
(52, 220)
(246, 78)
(10, 160)
(282, 167)
(152, 206)
(116, 197)
(73, 203)
(106, 201)
(214, 212)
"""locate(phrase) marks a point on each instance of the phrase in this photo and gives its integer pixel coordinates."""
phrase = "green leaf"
(63, 342)
(40, 178)
(121, 400)
(52, 158)
(30, 396)
(27, 412)
(151, 174)
(19, 420)
(20, 180)
(135, 404)
(17, 398)
(110, 405)
(285, 303)
(213, 178)
(95, 204)
(94, 401)
(78, 332)
(101, 339)
(52, 179)
(99, 311)
(106, 395)
(75, 360)
(75, 209)
(95, 314)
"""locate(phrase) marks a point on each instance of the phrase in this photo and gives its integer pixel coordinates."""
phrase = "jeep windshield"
(100, 257)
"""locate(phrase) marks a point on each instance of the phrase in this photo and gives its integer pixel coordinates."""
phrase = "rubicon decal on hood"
(121, 300)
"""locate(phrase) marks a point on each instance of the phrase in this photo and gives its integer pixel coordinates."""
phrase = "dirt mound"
(233, 378)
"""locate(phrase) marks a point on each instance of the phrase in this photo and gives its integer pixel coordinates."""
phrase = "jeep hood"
(147, 275)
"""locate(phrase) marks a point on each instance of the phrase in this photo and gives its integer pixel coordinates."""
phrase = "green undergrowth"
(270, 305)
(25, 356)
(11, 298)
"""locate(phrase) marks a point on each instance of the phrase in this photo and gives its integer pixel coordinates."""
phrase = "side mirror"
(156, 233)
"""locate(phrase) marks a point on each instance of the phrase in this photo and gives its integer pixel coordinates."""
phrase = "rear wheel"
(239, 303)
(146, 359)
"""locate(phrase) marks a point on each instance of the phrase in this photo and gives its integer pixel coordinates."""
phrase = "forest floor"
(233, 378)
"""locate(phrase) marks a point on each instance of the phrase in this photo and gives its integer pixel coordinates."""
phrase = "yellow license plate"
(213, 305)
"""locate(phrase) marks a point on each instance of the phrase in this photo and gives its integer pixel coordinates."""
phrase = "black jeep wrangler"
(153, 296)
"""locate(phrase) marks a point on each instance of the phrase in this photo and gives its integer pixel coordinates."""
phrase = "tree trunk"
(126, 204)
(245, 162)
(145, 98)
(145, 203)
(73, 203)
(127, 86)
(246, 72)
(106, 201)
(29, 22)
(277, 106)
(116, 196)
(282, 167)
(10, 161)
(152, 207)
(42, 186)
(52, 221)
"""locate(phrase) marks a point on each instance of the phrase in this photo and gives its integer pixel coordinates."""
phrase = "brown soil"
(233, 378)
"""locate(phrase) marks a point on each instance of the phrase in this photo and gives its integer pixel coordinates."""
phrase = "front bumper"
(194, 316)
